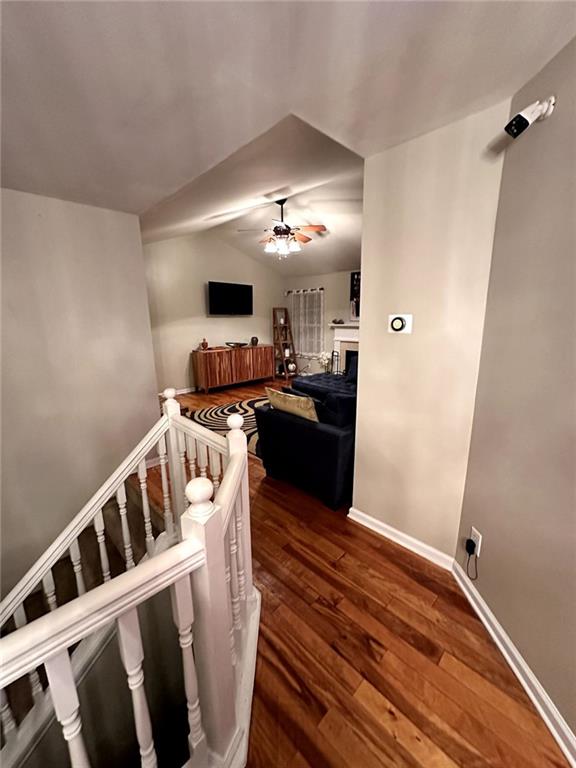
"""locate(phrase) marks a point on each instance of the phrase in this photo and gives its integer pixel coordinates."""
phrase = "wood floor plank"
(401, 728)
(487, 730)
(493, 670)
(327, 689)
(524, 716)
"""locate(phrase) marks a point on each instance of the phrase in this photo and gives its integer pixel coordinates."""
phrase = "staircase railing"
(203, 558)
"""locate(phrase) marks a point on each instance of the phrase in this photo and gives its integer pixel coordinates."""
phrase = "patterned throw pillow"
(295, 404)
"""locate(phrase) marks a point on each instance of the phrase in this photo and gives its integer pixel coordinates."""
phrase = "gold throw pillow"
(295, 404)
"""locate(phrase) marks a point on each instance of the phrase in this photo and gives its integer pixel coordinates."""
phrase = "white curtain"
(306, 309)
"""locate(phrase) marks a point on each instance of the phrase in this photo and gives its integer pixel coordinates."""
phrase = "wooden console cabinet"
(221, 366)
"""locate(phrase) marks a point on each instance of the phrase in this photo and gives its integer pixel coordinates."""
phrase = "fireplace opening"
(350, 355)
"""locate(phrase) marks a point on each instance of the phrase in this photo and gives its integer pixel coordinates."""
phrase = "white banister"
(183, 613)
(67, 707)
(200, 433)
(85, 517)
(132, 655)
(76, 558)
(171, 408)
(101, 539)
(121, 501)
(215, 670)
(142, 479)
(54, 632)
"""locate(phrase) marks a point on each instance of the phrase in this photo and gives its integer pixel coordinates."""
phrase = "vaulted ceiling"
(121, 104)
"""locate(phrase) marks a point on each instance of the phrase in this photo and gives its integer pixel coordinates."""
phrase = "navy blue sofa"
(315, 456)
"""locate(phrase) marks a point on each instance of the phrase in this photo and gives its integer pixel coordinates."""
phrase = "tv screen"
(229, 299)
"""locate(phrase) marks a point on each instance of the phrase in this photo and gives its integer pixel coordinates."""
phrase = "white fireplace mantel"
(347, 334)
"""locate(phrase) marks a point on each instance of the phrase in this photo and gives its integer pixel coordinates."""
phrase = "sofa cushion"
(319, 385)
(336, 409)
(297, 405)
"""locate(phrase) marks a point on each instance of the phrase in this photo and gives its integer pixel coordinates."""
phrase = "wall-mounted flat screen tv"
(229, 299)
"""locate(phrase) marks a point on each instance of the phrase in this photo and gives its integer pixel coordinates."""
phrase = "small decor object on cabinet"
(254, 341)
(291, 367)
(204, 344)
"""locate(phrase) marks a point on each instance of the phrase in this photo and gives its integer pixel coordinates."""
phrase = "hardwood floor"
(369, 655)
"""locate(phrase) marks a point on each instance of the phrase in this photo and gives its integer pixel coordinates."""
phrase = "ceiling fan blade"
(313, 228)
(302, 238)
(264, 240)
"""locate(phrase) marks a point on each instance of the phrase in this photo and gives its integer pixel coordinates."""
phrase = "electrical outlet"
(476, 537)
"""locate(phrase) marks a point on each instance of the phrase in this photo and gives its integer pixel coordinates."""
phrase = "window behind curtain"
(306, 309)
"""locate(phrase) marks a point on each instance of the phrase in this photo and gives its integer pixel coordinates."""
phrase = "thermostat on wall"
(399, 323)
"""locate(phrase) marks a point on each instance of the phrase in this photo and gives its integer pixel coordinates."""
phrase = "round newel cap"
(235, 421)
(169, 394)
(199, 490)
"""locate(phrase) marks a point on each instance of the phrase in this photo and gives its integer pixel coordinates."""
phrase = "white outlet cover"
(396, 318)
(476, 536)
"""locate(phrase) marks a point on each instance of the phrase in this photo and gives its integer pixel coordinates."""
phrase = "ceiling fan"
(283, 238)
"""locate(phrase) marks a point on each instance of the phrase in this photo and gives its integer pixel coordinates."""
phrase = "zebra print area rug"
(215, 417)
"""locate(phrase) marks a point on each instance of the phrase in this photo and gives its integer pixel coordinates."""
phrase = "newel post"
(170, 408)
(237, 443)
(212, 650)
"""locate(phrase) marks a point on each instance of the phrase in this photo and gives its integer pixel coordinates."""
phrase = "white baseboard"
(414, 545)
(185, 391)
(547, 709)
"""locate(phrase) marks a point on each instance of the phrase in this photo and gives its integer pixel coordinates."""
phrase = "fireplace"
(350, 355)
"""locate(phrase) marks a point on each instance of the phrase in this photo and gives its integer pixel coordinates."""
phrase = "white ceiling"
(121, 104)
(289, 158)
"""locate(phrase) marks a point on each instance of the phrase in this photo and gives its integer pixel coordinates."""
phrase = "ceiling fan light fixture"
(282, 246)
(294, 246)
(270, 246)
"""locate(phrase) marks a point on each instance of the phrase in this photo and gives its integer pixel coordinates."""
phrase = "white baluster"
(101, 538)
(132, 655)
(215, 470)
(168, 516)
(77, 566)
(20, 620)
(214, 667)
(181, 443)
(121, 501)
(49, 589)
(191, 453)
(237, 520)
(67, 707)
(234, 593)
(201, 458)
(142, 477)
(228, 577)
(6, 717)
(171, 408)
(183, 613)
(237, 443)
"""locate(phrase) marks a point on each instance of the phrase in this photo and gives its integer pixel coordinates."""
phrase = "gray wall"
(78, 381)
(429, 215)
(520, 489)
